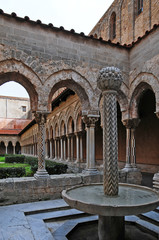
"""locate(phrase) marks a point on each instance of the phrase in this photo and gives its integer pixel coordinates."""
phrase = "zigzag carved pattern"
(110, 144)
(41, 147)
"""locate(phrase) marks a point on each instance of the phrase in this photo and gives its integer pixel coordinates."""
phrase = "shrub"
(14, 158)
(12, 172)
(31, 160)
(52, 167)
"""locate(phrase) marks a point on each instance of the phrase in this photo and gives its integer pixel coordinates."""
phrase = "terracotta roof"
(9, 131)
(72, 31)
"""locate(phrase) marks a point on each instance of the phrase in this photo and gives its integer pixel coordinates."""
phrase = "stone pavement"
(54, 219)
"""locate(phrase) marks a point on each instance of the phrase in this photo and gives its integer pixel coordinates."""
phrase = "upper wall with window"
(130, 18)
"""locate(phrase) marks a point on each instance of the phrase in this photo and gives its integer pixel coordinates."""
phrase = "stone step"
(62, 231)
(144, 224)
(60, 213)
(152, 217)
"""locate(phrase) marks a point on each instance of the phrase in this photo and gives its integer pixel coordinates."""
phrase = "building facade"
(127, 20)
(68, 126)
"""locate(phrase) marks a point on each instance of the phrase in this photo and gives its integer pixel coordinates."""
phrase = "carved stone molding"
(90, 120)
(131, 123)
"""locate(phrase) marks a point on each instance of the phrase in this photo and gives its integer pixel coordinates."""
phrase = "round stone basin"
(131, 199)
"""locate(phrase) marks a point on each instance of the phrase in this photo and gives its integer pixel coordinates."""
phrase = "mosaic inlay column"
(41, 173)
(109, 81)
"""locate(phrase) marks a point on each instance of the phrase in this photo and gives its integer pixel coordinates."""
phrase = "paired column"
(40, 118)
(130, 125)
(51, 148)
(81, 148)
(68, 148)
(90, 141)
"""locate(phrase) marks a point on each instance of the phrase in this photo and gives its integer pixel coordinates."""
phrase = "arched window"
(140, 6)
(113, 26)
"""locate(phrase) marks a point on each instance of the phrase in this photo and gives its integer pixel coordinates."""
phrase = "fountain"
(111, 201)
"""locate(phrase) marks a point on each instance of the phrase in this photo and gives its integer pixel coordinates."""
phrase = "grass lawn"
(2, 159)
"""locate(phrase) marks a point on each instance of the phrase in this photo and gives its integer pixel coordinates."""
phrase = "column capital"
(90, 120)
(40, 117)
(157, 114)
(131, 123)
(109, 78)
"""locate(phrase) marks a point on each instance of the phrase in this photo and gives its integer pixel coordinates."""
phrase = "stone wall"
(130, 23)
(20, 190)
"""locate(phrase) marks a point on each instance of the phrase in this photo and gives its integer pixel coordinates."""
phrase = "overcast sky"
(81, 15)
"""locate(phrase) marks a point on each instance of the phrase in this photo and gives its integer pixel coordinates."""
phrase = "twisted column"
(109, 81)
(40, 118)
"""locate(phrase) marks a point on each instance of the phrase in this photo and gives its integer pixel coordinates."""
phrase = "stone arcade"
(45, 59)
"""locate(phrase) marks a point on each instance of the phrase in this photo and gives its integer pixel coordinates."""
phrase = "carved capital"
(90, 120)
(40, 117)
(109, 78)
(131, 123)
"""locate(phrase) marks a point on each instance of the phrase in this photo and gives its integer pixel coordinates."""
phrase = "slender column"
(13, 149)
(68, 148)
(51, 148)
(40, 118)
(128, 124)
(77, 148)
(58, 149)
(90, 148)
(61, 149)
(6, 146)
(72, 149)
(33, 149)
(64, 148)
(81, 148)
(135, 123)
(55, 148)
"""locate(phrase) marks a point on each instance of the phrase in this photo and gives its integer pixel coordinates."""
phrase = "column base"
(156, 181)
(91, 171)
(111, 228)
(42, 174)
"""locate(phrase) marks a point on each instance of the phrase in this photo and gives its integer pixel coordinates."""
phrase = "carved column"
(13, 148)
(40, 118)
(156, 175)
(109, 81)
(90, 147)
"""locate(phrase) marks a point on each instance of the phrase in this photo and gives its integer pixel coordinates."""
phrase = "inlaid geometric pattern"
(110, 144)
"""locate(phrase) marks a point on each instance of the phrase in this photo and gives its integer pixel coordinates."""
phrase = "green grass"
(27, 167)
(2, 159)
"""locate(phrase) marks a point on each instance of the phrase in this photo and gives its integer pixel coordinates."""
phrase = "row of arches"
(10, 147)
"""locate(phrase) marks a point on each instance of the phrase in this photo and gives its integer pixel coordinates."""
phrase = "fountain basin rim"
(111, 209)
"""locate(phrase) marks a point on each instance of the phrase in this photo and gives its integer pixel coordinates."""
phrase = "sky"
(80, 15)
